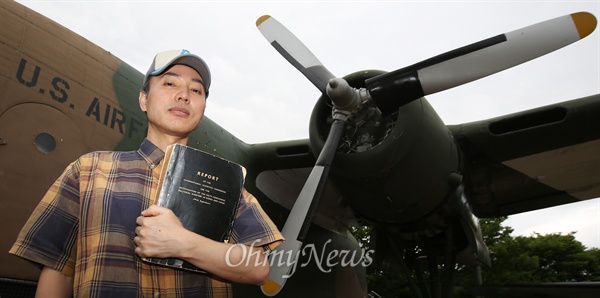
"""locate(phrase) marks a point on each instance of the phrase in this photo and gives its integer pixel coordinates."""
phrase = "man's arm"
(160, 234)
(54, 284)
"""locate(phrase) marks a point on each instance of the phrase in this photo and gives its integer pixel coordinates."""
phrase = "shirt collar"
(152, 154)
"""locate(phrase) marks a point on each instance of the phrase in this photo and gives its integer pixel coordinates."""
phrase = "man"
(87, 233)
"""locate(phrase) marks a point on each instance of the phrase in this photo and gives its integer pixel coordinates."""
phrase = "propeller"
(294, 51)
(392, 90)
(345, 99)
(475, 61)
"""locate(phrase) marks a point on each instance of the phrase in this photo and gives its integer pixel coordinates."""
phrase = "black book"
(203, 190)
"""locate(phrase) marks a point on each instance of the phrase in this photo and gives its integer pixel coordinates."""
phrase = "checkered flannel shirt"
(85, 224)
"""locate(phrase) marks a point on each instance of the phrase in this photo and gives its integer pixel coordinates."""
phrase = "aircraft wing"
(279, 170)
(533, 159)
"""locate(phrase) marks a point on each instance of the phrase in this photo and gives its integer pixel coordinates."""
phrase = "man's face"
(175, 102)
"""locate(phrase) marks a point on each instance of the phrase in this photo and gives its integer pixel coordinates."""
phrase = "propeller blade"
(298, 222)
(345, 99)
(392, 90)
(294, 51)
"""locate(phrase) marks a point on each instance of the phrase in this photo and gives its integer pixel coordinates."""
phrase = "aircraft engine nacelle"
(391, 169)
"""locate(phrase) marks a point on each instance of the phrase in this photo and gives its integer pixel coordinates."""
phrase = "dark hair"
(146, 86)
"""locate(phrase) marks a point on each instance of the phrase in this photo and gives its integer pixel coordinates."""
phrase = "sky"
(260, 97)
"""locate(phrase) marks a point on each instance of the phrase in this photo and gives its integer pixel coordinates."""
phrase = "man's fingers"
(154, 210)
(138, 249)
(150, 211)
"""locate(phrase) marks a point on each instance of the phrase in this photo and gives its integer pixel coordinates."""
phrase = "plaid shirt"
(85, 225)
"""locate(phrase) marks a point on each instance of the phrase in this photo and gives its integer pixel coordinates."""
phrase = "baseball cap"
(163, 60)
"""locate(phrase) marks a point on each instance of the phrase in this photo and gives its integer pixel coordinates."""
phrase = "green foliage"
(561, 258)
(537, 259)
(592, 266)
(362, 235)
(511, 263)
(515, 260)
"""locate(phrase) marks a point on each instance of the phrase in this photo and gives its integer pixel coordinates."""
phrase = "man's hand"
(159, 233)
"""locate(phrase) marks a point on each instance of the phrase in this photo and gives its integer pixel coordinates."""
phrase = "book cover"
(203, 190)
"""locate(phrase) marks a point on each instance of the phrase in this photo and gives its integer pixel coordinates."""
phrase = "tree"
(536, 259)
(561, 258)
(515, 260)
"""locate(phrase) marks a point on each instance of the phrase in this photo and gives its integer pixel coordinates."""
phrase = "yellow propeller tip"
(262, 19)
(270, 288)
(585, 23)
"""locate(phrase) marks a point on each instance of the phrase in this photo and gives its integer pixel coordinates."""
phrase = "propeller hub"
(345, 99)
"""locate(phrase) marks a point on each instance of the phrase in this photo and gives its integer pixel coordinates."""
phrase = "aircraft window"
(45, 143)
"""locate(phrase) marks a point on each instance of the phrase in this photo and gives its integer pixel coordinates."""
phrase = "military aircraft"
(383, 157)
